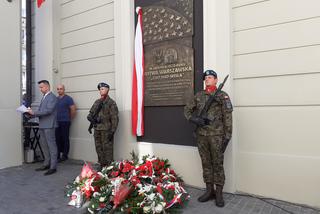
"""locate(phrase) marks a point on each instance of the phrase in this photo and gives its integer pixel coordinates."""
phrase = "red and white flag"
(39, 2)
(138, 80)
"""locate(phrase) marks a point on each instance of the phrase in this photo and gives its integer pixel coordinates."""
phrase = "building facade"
(269, 48)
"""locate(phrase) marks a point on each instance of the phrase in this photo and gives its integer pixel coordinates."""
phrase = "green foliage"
(134, 157)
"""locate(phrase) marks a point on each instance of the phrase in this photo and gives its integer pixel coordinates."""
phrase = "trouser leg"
(104, 147)
(206, 160)
(52, 145)
(65, 138)
(217, 159)
(58, 140)
(108, 150)
(44, 146)
(99, 146)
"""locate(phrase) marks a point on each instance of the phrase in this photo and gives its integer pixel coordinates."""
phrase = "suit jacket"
(47, 112)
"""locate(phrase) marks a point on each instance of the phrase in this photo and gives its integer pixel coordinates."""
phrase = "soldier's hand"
(98, 120)
(90, 130)
(224, 145)
(110, 136)
(207, 121)
(89, 117)
(197, 120)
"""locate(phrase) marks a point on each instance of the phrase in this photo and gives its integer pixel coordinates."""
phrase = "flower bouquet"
(148, 185)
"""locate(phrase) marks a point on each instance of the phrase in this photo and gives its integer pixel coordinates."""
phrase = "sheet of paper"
(22, 109)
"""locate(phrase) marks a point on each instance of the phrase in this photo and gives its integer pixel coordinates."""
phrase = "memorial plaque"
(169, 56)
(173, 42)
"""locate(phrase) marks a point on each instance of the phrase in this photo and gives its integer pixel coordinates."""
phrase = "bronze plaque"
(169, 64)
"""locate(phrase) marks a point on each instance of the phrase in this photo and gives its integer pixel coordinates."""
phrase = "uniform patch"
(228, 104)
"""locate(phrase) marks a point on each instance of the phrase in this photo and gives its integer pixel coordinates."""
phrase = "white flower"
(151, 196)
(103, 175)
(146, 188)
(146, 209)
(158, 208)
(139, 186)
(109, 167)
(140, 161)
(90, 211)
(95, 194)
(101, 199)
(151, 158)
(77, 180)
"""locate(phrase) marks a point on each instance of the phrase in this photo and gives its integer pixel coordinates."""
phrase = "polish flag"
(138, 80)
(39, 2)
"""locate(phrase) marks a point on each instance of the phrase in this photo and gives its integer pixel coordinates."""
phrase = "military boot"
(209, 194)
(219, 196)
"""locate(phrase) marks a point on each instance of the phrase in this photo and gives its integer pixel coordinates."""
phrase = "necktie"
(41, 101)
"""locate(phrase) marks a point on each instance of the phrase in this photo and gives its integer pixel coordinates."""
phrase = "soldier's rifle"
(212, 98)
(94, 119)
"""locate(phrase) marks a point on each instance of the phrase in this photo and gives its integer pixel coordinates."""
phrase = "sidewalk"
(25, 191)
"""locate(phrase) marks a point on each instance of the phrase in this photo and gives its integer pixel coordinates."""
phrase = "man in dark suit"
(47, 114)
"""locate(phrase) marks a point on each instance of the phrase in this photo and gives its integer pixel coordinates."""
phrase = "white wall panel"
(10, 84)
(272, 12)
(283, 90)
(92, 17)
(83, 149)
(96, 32)
(277, 107)
(11, 141)
(87, 58)
(282, 62)
(66, 1)
(279, 130)
(80, 124)
(87, 51)
(88, 83)
(84, 100)
(290, 178)
(92, 66)
(239, 3)
(288, 35)
(73, 8)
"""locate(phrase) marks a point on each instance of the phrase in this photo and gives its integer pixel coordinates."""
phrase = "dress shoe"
(43, 168)
(62, 159)
(50, 172)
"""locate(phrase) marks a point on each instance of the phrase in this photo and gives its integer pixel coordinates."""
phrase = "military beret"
(103, 84)
(209, 72)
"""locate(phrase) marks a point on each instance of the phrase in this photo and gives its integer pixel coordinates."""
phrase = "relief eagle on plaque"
(169, 57)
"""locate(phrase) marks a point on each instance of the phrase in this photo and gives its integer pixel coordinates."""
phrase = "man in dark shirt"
(66, 111)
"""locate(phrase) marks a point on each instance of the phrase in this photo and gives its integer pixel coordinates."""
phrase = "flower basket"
(148, 186)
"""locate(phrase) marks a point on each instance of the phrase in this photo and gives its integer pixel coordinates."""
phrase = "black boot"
(209, 194)
(219, 196)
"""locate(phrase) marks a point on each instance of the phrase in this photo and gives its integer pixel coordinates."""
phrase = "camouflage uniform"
(105, 128)
(210, 138)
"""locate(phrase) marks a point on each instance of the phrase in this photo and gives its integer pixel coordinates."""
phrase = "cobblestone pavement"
(25, 191)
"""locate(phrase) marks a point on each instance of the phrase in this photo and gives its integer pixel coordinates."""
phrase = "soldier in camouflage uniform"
(104, 117)
(213, 134)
